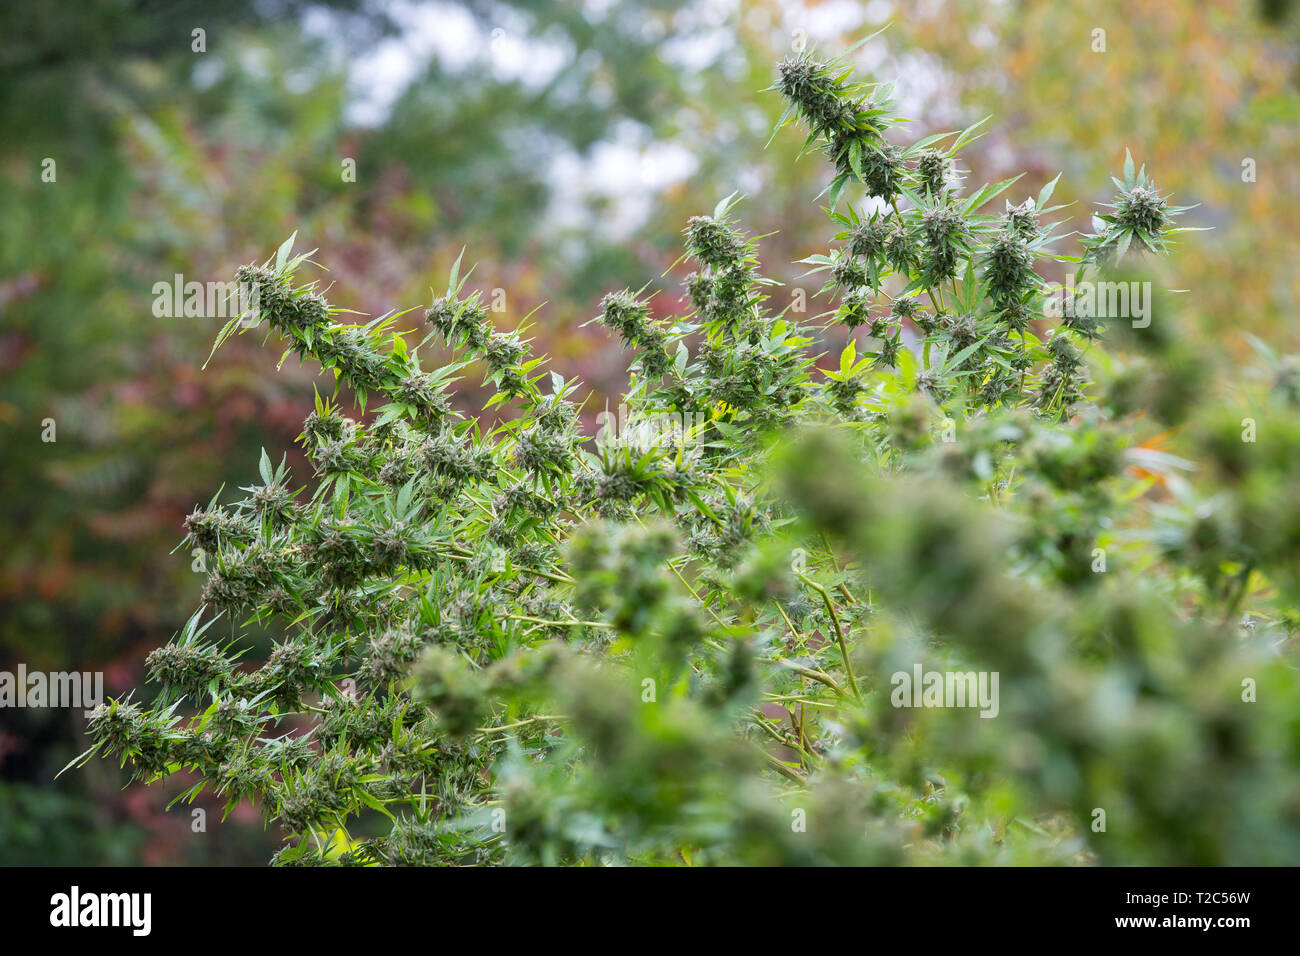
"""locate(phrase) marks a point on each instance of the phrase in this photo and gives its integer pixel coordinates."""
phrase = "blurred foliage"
(1195, 88)
(52, 829)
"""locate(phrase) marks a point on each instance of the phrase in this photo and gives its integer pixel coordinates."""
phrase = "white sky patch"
(626, 170)
(827, 21)
(207, 71)
(444, 32)
(379, 77)
(597, 10)
(696, 53)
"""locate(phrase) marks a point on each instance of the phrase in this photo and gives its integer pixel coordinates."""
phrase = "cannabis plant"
(712, 635)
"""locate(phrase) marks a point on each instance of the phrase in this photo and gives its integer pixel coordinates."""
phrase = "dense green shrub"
(521, 645)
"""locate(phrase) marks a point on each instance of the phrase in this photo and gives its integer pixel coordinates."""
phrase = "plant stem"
(839, 633)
